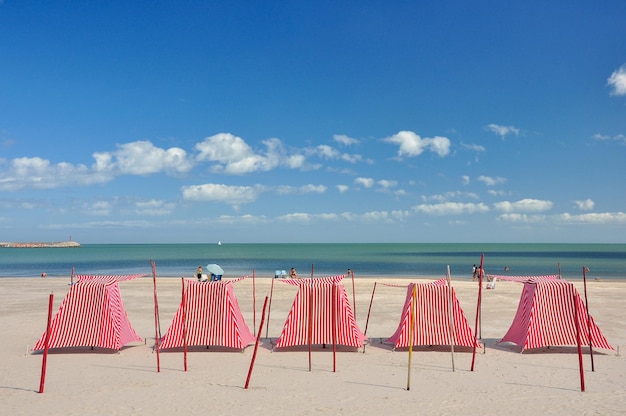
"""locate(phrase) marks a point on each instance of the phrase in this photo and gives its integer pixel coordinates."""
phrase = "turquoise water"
(607, 261)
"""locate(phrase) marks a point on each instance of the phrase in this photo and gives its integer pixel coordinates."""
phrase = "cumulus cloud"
(617, 81)
(524, 205)
(411, 144)
(585, 205)
(595, 218)
(342, 188)
(304, 189)
(451, 208)
(345, 140)
(503, 131)
(232, 195)
(365, 182)
(491, 181)
(234, 156)
(143, 158)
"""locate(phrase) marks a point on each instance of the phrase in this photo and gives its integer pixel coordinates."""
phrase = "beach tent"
(320, 308)
(546, 316)
(431, 325)
(208, 314)
(91, 315)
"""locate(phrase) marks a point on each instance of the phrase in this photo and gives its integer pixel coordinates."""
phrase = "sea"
(419, 260)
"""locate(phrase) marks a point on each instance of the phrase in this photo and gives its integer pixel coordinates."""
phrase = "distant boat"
(219, 243)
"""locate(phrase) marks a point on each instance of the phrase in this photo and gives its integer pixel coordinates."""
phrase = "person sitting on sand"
(199, 273)
(293, 274)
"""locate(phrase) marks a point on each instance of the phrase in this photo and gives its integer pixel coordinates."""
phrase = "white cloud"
(143, 158)
(595, 218)
(366, 182)
(304, 189)
(232, 195)
(233, 155)
(99, 208)
(303, 217)
(617, 81)
(345, 140)
(503, 131)
(386, 184)
(451, 208)
(522, 218)
(412, 144)
(465, 179)
(342, 188)
(447, 196)
(524, 205)
(490, 181)
(154, 207)
(585, 205)
(620, 138)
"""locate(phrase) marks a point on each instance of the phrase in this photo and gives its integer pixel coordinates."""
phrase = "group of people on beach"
(201, 278)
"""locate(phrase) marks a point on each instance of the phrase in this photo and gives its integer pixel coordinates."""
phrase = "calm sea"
(606, 261)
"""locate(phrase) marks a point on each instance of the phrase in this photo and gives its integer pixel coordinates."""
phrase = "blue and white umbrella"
(214, 269)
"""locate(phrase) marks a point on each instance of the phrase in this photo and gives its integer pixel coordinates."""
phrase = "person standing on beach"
(199, 273)
(474, 273)
(293, 274)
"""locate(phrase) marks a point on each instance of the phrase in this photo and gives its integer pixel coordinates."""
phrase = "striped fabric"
(329, 304)
(545, 317)
(212, 318)
(91, 315)
(432, 320)
(524, 279)
(315, 280)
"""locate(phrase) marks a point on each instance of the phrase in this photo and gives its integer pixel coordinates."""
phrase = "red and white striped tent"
(323, 304)
(92, 315)
(432, 318)
(208, 314)
(546, 316)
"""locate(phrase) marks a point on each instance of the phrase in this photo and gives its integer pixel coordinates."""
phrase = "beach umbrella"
(214, 269)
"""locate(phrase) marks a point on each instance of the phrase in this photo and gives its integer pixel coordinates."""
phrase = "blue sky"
(313, 121)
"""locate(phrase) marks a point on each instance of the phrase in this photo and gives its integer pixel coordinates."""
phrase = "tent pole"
(256, 345)
(367, 321)
(253, 300)
(310, 328)
(578, 343)
(44, 361)
(411, 323)
(334, 299)
(353, 295)
(450, 316)
(157, 331)
(184, 302)
(478, 306)
(267, 328)
(588, 319)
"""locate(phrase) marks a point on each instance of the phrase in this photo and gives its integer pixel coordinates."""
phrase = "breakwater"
(61, 244)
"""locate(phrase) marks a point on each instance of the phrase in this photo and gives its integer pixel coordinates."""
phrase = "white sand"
(374, 382)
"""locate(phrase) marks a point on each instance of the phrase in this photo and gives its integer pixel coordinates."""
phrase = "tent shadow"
(83, 350)
(494, 343)
(421, 348)
(203, 348)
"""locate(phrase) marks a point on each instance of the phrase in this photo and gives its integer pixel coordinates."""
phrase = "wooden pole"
(588, 319)
(578, 343)
(256, 345)
(411, 323)
(44, 361)
(451, 317)
(353, 294)
(184, 302)
(269, 309)
(253, 300)
(310, 328)
(157, 329)
(367, 321)
(478, 305)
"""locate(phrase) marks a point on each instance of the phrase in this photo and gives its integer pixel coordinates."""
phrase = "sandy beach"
(369, 381)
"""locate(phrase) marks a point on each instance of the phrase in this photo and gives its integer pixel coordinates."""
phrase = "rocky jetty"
(61, 244)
